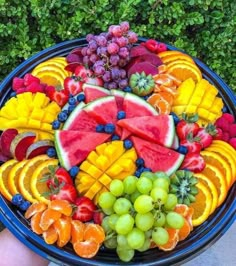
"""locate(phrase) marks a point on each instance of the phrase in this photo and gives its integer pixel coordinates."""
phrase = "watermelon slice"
(93, 92)
(74, 146)
(175, 144)
(119, 96)
(135, 106)
(157, 157)
(159, 128)
(103, 110)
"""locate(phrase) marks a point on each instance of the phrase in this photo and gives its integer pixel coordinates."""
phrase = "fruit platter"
(116, 149)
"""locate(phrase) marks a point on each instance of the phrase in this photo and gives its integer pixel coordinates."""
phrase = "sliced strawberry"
(57, 176)
(29, 78)
(64, 192)
(187, 125)
(193, 162)
(83, 73)
(219, 134)
(192, 143)
(61, 97)
(206, 134)
(73, 85)
(85, 209)
(98, 217)
(17, 83)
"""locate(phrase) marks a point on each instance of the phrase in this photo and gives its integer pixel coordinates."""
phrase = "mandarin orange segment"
(173, 240)
(77, 231)
(185, 230)
(63, 229)
(63, 206)
(94, 232)
(35, 208)
(182, 209)
(49, 216)
(86, 249)
(50, 236)
(35, 221)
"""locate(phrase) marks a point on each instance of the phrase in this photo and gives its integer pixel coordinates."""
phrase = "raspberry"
(228, 117)
(222, 123)
(225, 136)
(29, 78)
(35, 87)
(17, 83)
(161, 47)
(232, 142)
(232, 130)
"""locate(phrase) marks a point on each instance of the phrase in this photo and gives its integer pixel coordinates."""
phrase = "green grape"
(106, 200)
(130, 184)
(122, 241)
(171, 202)
(160, 219)
(112, 220)
(111, 242)
(160, 174)
(144, 221)
(105, 224)
(174, 220)
(122, 206)
(143, 204)
(146, 245)
(134, 196)
(144, 185)
(160, 236)
(148, 234)
(148, 174)
(159, 195)
(117, 187)
(136, 238)
(162, 183)
(124, 224)
(125, 255)
(108, 211)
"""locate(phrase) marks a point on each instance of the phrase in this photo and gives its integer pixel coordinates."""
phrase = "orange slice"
(50, 236)
(203, 204)
(35, 208)
(4, 173)
(204, 179)
(48, 217)
(169, 53)
(175, 57)
(77, 231)
(63, 229)
(51, 78)
(218, 161)
(94, 232)
(193, 65)
(63, 206)
(86, 249)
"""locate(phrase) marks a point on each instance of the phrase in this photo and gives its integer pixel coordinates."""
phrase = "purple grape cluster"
(108, 53)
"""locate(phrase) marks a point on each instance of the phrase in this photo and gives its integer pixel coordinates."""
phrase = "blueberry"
(137, 173)
(17, 199)
(74, 171)
(182, 149)
(127, 89)
(51, 152)
(146, 169)
(109, 128)
(121, 115)
(62, 116)
(71, 108)
(145, 97)
(72, 101)
(80, 97)
(225, 109)
(100, 128)
(24, 205)
(56, 124)
(175, 117)
(139, 162)
(65, 111)
(115, 137)
(128, 144)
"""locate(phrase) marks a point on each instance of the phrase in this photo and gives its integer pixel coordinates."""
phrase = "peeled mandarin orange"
(204, 179)
(94, 232)
(35, 223)
(50, 236)
(217, 178)
(35, 208)
(202, 205)
(218, 161)
(48, 217)
(173, 240)
(62, 206)
(77, 231)
(182, 209)
(185, 230)
(86, 249)
(26, 174)
(4, 175)
(39, 188)
(63, 229)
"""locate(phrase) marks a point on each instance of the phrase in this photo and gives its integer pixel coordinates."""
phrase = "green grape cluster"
(138, 211)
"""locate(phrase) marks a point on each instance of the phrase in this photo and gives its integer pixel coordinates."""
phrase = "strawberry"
(83, 73)
(64, 192)
(219, 134)
(29, 78)
(98, 217)
(61, 97)
(205, 135)
(191, 143)
(232, 130)
(85, 209)
(193, 162)
(73, 85)
(17, 83)
(187, 125)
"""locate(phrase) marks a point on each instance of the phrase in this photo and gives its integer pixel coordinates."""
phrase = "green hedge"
(203, 28)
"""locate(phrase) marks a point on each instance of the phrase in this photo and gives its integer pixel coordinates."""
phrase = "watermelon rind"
(96, 87)
(175, 166)
(93, 92)
(175, 144)
(73, 115)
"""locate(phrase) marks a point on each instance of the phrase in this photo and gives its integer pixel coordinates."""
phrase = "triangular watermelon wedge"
(93, 92)
(74, 146)
(157, 157)
(159, 129)
(103, 110)
(119, 96)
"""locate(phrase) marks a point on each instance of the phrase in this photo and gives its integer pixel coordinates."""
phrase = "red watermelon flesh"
(103, 110)
(119, 96)
(125, 133)
(157, 157)
(159, 129)
(93, 92)
(73, 147)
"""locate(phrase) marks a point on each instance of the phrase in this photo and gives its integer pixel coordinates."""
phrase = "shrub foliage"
(203, 28)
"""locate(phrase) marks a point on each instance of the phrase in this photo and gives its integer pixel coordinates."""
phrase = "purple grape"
(101, 51)
(89, 37)
(93, 45)
(122, 41)
(86, 60)
(116, 31)
(110, 29)
(123, 83)
(122, 62)
(84, 51)
(89, 51)
(99, 70)
(114, 59)
(122, 73)
(115, 73)
(132, 37)
(124, 26)
(112, 48)
(112, 85)
(98, 63)
(101, 41)
(93, 58)
(71, 58)
(107, 76)
(124, 52)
